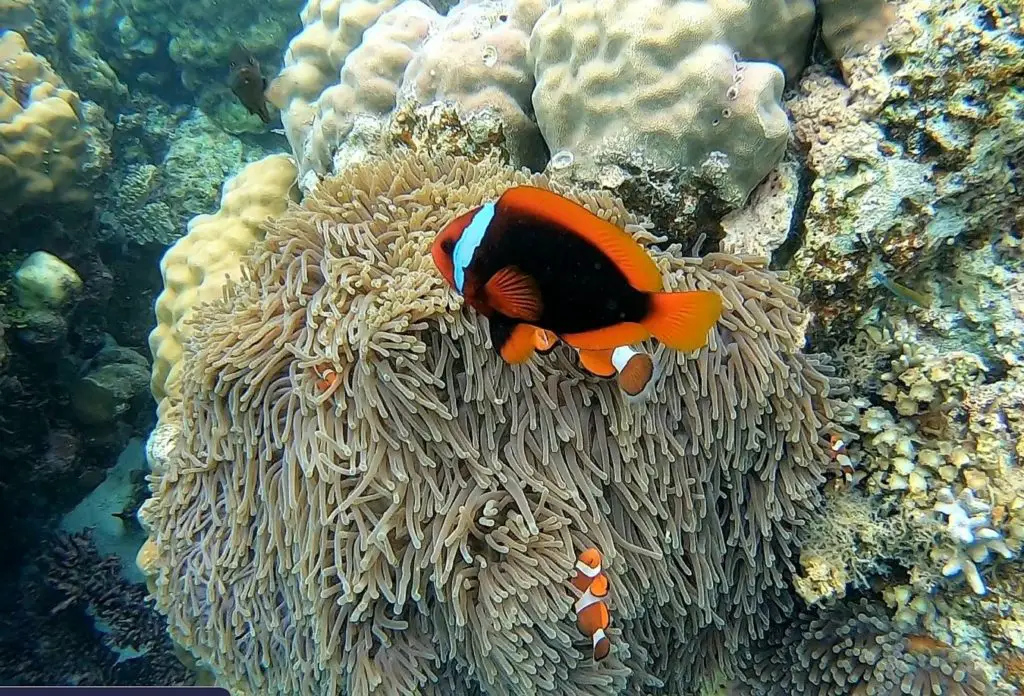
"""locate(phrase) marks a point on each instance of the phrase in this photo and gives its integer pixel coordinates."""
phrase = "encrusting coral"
(684, 93)
(353, 493)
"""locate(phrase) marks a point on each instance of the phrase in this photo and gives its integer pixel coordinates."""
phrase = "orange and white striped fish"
(592, 615)
(633, 370)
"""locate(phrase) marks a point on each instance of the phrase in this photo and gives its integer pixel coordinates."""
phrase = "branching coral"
(86, 585)
(410, 524)
(970, 527)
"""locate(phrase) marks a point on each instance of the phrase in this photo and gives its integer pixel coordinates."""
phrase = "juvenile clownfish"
(633, 370)
(592, 615)
(536, 260)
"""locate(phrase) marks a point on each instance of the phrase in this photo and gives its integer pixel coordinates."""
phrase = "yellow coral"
(45, 148)
(195, 269)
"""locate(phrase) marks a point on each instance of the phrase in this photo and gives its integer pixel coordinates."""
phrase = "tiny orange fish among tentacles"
(632, 369)
(536, 260)
(592, 615)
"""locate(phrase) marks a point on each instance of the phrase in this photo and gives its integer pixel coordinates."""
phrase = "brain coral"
(353, 494)
(49, 150)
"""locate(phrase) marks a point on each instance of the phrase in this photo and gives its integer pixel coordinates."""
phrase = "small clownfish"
(592, 615)
(634, 370)
(536, 260)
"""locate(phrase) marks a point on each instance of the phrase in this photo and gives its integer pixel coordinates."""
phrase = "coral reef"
(353, 65)
(152, 203)
(53, 145)
(856, 649)
(54, 30)
(444, 495)
(196, 267)
(909, 252)
(911, 159)
(73, 620)
(113, 386)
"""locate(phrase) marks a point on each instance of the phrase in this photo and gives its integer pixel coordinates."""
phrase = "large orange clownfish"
(592, 614)
(536, 260)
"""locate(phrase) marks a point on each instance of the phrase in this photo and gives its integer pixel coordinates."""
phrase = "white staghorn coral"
(969, 525)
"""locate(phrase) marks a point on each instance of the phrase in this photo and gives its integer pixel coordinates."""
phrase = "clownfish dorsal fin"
(617, 244)
(514, 294)
(599, 587)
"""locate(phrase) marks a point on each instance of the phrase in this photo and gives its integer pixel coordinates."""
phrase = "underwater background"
(249, 436)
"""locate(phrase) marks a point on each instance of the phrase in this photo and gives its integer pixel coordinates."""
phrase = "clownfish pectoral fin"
(597, 362)
(544, 341)
(513, 341)
(682, 320)
(602, 645)
(591, 559)
(514, 294)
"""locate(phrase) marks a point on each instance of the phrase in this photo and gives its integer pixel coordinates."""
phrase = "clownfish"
(633, 370)
(533, 260)
(592, 615)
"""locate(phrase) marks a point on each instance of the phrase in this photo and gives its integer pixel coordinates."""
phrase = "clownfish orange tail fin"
(681, 320)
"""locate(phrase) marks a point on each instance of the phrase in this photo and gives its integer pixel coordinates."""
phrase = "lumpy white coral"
(969, 526)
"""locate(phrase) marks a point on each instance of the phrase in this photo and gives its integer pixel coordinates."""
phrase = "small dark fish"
(248, 83)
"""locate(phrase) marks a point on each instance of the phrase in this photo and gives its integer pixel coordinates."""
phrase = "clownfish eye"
(447, 246)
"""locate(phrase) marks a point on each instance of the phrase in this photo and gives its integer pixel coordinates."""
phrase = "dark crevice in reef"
(795, 237)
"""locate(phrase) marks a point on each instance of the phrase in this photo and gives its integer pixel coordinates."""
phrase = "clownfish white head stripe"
(588, 570)
(636, 372)
(621, 357)
(469, 242)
